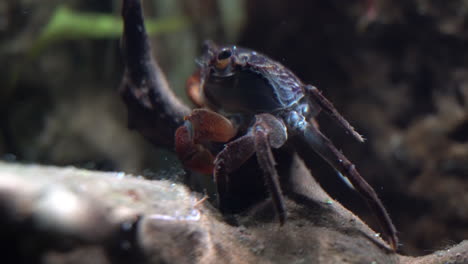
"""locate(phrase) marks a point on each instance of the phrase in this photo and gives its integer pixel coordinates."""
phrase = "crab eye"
(225, 54)
(223, 59)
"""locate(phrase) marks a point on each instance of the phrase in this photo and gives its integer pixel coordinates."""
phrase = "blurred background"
(397, 70)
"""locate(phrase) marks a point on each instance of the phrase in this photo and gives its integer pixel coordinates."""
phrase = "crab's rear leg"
(325, 148)
(316, 97)
(267, 132)
(200, 128)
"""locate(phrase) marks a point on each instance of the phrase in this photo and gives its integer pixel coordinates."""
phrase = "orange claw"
(210, 126)
(201, 126)
(193, 89)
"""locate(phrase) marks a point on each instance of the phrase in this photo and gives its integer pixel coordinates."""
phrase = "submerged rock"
(68, 215)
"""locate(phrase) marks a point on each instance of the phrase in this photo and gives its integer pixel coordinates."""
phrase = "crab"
(246, 105)
(253, 104)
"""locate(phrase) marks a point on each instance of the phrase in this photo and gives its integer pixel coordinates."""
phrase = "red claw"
(194, 89)
(200, 127)
(193, 156)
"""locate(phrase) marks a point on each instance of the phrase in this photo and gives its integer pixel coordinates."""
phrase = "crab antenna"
(316, 95)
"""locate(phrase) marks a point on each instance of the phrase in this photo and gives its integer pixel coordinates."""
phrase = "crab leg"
(316, 96)
(268, 132)
(267, 163)
(325, 148)
(233, 155)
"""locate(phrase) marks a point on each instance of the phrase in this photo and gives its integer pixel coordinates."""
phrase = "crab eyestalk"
(223, 59)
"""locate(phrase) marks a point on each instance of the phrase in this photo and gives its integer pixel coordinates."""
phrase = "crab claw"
(194, 89)
(200, 128)
(193, 156)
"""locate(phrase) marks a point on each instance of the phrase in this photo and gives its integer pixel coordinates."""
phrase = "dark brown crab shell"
(252, 82)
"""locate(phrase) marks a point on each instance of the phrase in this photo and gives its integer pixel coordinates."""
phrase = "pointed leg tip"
(394, 243)
(359, 137)
(282, 217)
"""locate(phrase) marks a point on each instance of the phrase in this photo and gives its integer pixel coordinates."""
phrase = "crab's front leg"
(266, 133)
(204, 126)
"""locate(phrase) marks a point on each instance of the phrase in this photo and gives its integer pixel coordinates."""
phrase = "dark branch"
(153, 109)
